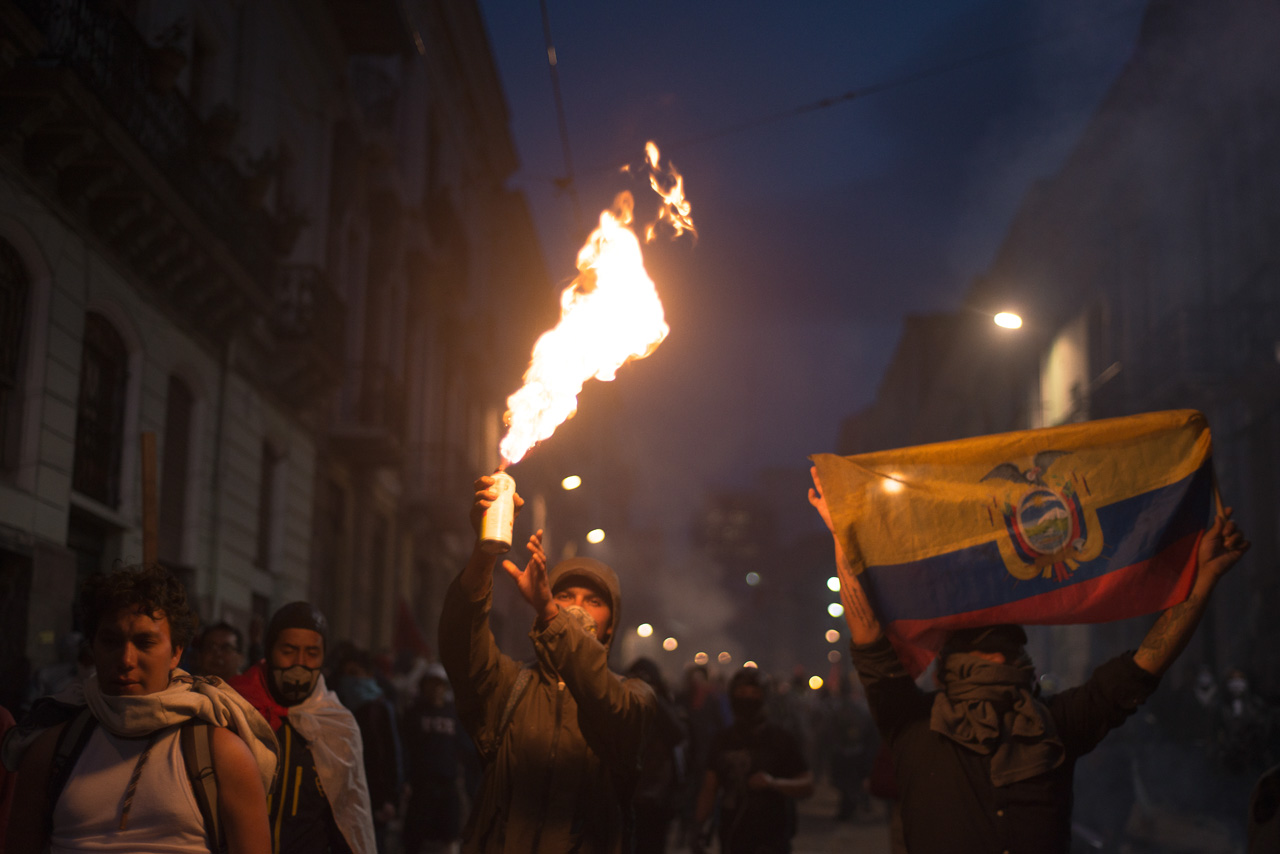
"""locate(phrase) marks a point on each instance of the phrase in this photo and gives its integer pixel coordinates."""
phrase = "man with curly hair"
(123, 781)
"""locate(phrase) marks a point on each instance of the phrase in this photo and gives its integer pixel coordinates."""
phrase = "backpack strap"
(523, 678)
(71, 741)
(196, 740)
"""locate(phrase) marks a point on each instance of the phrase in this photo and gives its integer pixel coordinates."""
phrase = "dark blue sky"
(817, 232)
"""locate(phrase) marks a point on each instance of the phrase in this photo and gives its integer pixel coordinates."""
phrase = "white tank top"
(164, 816)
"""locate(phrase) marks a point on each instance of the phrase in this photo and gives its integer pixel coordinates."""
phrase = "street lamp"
(1008, 320)
(644, 630)
(595, 535)
(571, 482)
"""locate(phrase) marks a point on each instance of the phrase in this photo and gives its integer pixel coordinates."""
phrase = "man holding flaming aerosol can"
(560, 738)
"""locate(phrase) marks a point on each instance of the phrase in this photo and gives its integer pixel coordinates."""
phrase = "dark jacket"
(559, 778)
(949, 803)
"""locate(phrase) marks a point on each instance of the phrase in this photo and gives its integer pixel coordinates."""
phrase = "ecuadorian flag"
(1083, 523)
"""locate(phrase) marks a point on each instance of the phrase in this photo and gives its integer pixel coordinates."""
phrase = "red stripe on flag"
(1141, 588)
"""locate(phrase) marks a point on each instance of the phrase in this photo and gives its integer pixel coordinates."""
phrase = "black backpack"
(196, 741)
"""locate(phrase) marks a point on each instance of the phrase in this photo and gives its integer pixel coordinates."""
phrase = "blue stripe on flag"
(1134, 530)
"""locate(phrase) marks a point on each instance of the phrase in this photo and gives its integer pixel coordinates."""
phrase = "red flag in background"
(407, 637)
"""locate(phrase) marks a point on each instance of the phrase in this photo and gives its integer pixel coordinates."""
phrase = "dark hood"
(596, 574)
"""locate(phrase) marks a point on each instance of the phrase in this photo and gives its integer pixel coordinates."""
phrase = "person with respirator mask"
(560, 738)
(321, 800)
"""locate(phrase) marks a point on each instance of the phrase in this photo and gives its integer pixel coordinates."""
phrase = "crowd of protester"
(151, 734)
(1198, 751)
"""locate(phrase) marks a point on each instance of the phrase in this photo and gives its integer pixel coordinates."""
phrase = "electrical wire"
(568, 183)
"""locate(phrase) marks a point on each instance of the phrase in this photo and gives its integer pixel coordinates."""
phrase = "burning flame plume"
(609, 315)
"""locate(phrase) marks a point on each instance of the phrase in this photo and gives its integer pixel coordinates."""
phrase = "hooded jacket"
(559, 777)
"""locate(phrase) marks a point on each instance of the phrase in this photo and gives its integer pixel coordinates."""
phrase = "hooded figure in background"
(560, 739)
(321, 800)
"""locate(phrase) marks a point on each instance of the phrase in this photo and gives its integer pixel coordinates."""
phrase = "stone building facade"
(272, 234)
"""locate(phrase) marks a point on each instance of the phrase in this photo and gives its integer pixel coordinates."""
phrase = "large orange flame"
(609, 315)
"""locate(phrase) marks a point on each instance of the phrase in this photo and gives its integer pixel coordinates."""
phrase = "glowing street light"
(750, 664)
(644, 630)
(700, 658)
(833, 584)
(815, 682)
(596, 535)
(670, 644)
(571, 482)
(833, 636)
(724, 658)
(1008, 320)
(753, 578)
(835, 609)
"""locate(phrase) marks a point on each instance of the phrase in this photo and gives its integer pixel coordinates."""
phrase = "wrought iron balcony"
(147, 181)
(371, 418)
(308, 322)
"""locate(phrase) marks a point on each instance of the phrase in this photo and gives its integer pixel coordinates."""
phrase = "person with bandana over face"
(757, 767)
(320, 802)
(984, 764)
(560, 739)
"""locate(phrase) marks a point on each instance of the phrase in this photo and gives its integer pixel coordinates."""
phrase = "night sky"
(818, 231)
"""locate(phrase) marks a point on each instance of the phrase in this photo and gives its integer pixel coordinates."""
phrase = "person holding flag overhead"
(984, 764)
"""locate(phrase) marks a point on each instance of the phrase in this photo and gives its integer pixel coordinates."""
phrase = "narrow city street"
(820, 833)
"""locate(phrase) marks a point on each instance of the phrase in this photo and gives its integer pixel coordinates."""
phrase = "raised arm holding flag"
(985, 764)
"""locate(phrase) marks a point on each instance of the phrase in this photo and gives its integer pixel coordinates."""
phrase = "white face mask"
(294, 684)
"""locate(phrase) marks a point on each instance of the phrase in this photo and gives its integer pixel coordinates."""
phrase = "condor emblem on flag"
(1082, 523)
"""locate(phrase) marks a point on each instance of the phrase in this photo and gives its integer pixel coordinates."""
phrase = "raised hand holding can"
(496, 524)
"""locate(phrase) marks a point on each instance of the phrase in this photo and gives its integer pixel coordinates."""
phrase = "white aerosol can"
(495, 526)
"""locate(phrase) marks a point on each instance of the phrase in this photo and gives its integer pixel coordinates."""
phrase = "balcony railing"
(308, 308)
(371, 418)
(112, 60)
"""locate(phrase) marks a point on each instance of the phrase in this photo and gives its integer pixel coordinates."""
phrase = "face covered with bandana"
(295, 660)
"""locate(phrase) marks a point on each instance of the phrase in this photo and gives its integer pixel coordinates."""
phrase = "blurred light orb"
(892, 485)
(815, 682)
(724, 658)
(834, 656)
(700, 658)
(750, 664)
(833, 584)
(571, 482)
(644, 630)
(1008, 320)
(833, 636)
(753, 578)
(595, 535)
(670, 644)
(835, 609)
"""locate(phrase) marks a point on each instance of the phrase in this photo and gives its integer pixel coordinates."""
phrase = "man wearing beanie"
(560, 738)
(320, 802)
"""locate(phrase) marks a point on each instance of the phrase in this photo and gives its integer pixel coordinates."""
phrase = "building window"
(175, 470)
(100, 411)
(268, 466)
(15, 292)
